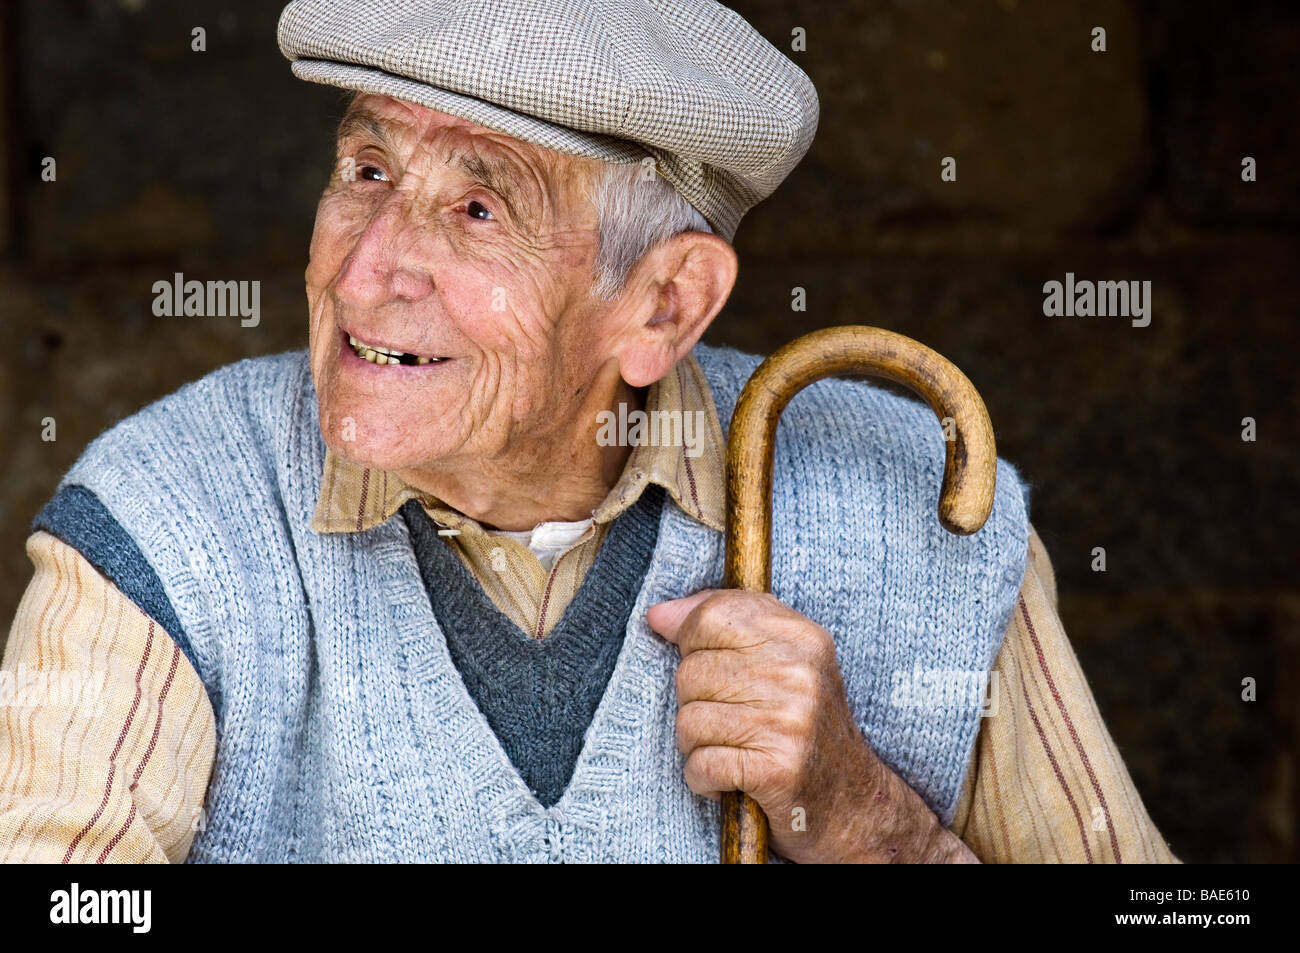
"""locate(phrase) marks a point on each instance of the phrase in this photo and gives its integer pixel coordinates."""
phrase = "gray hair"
(637, 210)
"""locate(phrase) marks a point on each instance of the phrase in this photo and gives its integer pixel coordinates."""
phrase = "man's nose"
(383, 264)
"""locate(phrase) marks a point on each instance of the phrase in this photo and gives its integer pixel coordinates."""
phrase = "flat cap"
(722, 112)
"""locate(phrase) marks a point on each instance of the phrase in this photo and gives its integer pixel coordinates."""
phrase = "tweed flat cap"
(722, 112)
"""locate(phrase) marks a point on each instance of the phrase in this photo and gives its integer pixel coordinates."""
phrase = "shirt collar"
(693, 471)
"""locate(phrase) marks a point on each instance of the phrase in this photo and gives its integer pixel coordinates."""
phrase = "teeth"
(376, 354)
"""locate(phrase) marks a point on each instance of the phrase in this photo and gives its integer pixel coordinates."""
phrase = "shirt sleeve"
(1046, 783)
(107, 736)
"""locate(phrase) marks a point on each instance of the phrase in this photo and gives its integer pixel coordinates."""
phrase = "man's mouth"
(377, 354)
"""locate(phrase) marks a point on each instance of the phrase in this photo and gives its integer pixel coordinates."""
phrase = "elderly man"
(394, 599)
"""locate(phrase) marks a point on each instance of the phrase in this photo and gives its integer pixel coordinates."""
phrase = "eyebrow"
(501, 177)
(497, 174)
(362, 125)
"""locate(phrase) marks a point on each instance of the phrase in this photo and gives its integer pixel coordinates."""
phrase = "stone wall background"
(1115, 165)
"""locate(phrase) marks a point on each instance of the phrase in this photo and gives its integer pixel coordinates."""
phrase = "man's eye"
(479, 210)
(373, 174)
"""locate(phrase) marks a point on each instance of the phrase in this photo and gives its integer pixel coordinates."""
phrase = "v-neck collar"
(539, 695)
(687, 557)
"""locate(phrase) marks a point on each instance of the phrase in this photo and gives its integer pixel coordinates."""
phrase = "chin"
(373, 438)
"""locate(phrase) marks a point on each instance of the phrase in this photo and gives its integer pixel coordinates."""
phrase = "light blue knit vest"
(344, 730)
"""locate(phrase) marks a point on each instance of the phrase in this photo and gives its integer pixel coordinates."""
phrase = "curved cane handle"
(965, 498)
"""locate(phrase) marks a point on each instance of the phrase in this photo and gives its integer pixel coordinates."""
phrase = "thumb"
(666, 618)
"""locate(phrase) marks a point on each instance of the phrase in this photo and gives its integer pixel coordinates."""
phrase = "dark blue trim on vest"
(539, 695)
(77, 517)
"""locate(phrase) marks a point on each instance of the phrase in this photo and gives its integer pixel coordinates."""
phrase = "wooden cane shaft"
(965, 496)
(744, 830)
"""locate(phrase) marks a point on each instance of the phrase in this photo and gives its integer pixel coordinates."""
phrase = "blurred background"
(1116, 165)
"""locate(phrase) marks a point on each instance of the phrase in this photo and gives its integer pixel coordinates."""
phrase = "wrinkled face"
(470, 254)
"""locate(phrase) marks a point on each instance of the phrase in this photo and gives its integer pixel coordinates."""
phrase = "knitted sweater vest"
(345, 732)
(539, 695)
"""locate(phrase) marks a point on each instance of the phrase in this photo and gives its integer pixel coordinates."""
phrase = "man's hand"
(762, 709)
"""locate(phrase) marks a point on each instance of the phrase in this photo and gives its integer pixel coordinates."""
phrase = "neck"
(561, 477)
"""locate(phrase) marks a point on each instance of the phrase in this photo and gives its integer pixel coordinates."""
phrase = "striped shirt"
(116, 772)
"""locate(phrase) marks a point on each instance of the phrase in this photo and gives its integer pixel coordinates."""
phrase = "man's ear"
(676, 290)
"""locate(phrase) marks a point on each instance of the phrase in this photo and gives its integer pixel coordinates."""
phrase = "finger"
(667, 617)
(731, 619)
(701, 724)
(714, 769)
(720, 675)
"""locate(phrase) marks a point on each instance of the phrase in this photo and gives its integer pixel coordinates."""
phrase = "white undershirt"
(547, 540)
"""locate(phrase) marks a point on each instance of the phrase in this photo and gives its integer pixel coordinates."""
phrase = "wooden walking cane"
(965, 499)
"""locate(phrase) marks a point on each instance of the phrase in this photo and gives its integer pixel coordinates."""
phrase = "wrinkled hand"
(762, 709)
